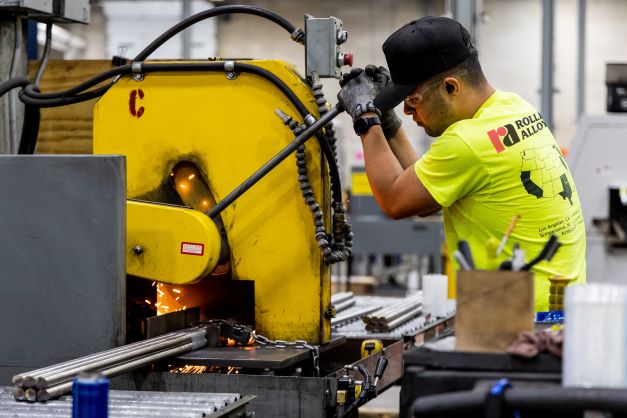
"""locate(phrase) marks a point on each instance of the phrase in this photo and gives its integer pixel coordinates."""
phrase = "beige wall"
(510, 43)
(510, 40)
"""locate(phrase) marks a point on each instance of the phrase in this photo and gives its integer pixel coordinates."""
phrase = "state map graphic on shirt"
(543, 173)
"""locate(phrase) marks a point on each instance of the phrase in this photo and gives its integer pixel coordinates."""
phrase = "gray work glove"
(390, 122)
(357, 94)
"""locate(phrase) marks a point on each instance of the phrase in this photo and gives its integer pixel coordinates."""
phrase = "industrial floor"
(384, 406)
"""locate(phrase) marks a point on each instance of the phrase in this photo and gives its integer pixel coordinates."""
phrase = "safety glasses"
(415, 99)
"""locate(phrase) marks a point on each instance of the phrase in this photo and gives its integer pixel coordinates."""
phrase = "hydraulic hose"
(32, 92)
(92, 94)
(46, 55)
(13, 83)
(31, 96)
(525, 398)
(296, 33)
(30, 130)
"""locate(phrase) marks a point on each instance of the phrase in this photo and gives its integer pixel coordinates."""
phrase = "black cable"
(363, 397)
(46, 55)
(92, 94)
(29, 95)
(30, 130)
(296, 33)
(13, 83)
(31, 91)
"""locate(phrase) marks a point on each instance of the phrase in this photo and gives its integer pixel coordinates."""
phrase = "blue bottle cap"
(90, 396)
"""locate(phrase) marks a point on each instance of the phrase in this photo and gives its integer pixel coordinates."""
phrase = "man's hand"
(357, 94)
(389, 121)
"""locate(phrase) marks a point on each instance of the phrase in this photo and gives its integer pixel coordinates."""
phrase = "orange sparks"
(176, 291)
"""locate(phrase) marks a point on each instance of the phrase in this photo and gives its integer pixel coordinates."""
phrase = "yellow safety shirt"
(502, 162)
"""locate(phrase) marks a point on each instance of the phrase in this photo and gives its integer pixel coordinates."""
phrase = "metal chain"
(314, 349)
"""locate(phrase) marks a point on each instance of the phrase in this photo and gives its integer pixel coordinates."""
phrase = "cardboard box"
(493, 307)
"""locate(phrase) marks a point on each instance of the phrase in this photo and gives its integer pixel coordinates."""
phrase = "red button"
(348, 59)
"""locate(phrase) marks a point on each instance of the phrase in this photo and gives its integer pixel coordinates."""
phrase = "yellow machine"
(190, 138)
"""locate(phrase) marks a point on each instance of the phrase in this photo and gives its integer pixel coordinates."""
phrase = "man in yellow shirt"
(494, 156)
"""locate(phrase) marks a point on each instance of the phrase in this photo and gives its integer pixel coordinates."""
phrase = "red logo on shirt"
(503, 136)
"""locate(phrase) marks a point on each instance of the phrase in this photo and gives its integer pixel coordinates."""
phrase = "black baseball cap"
(418, 51)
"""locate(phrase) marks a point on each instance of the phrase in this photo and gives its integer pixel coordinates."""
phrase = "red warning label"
(192, 248)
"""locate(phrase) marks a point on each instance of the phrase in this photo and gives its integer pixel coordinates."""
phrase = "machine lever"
(382, 363)
(274, 161)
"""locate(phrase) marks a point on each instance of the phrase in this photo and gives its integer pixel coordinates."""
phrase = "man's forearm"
(402, 149)
(398, 191)
(382, 166)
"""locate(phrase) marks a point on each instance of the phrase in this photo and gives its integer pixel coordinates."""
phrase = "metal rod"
(186, 35)
(13, 72)
(341, 297)
(30, 395)
(68, 373)
(400, 312)
(18, 394)
(62, 388)
(548, 12)
(400, 306)
(119, 351)
(384, 312)
(581, 59)
(37, 379)
(20, 378)
(344, 305)
(274, 161)
(401, 320)
(352, 316)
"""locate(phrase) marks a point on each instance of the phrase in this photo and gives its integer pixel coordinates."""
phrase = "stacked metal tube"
(386, 319)
(352, 315)
(342, 301)
(53, 381)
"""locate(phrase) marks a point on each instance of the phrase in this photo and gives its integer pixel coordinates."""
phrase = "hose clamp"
(309, 119)
(137, 70)
(229, 69)
(298, 36)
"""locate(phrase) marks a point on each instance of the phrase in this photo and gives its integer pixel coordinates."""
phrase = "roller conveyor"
(133, 404)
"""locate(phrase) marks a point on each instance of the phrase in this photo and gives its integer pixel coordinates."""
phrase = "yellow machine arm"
(170, 244)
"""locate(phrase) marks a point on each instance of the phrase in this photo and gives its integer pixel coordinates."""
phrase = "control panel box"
(26, 7)
(323, 37)
(72, 11)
